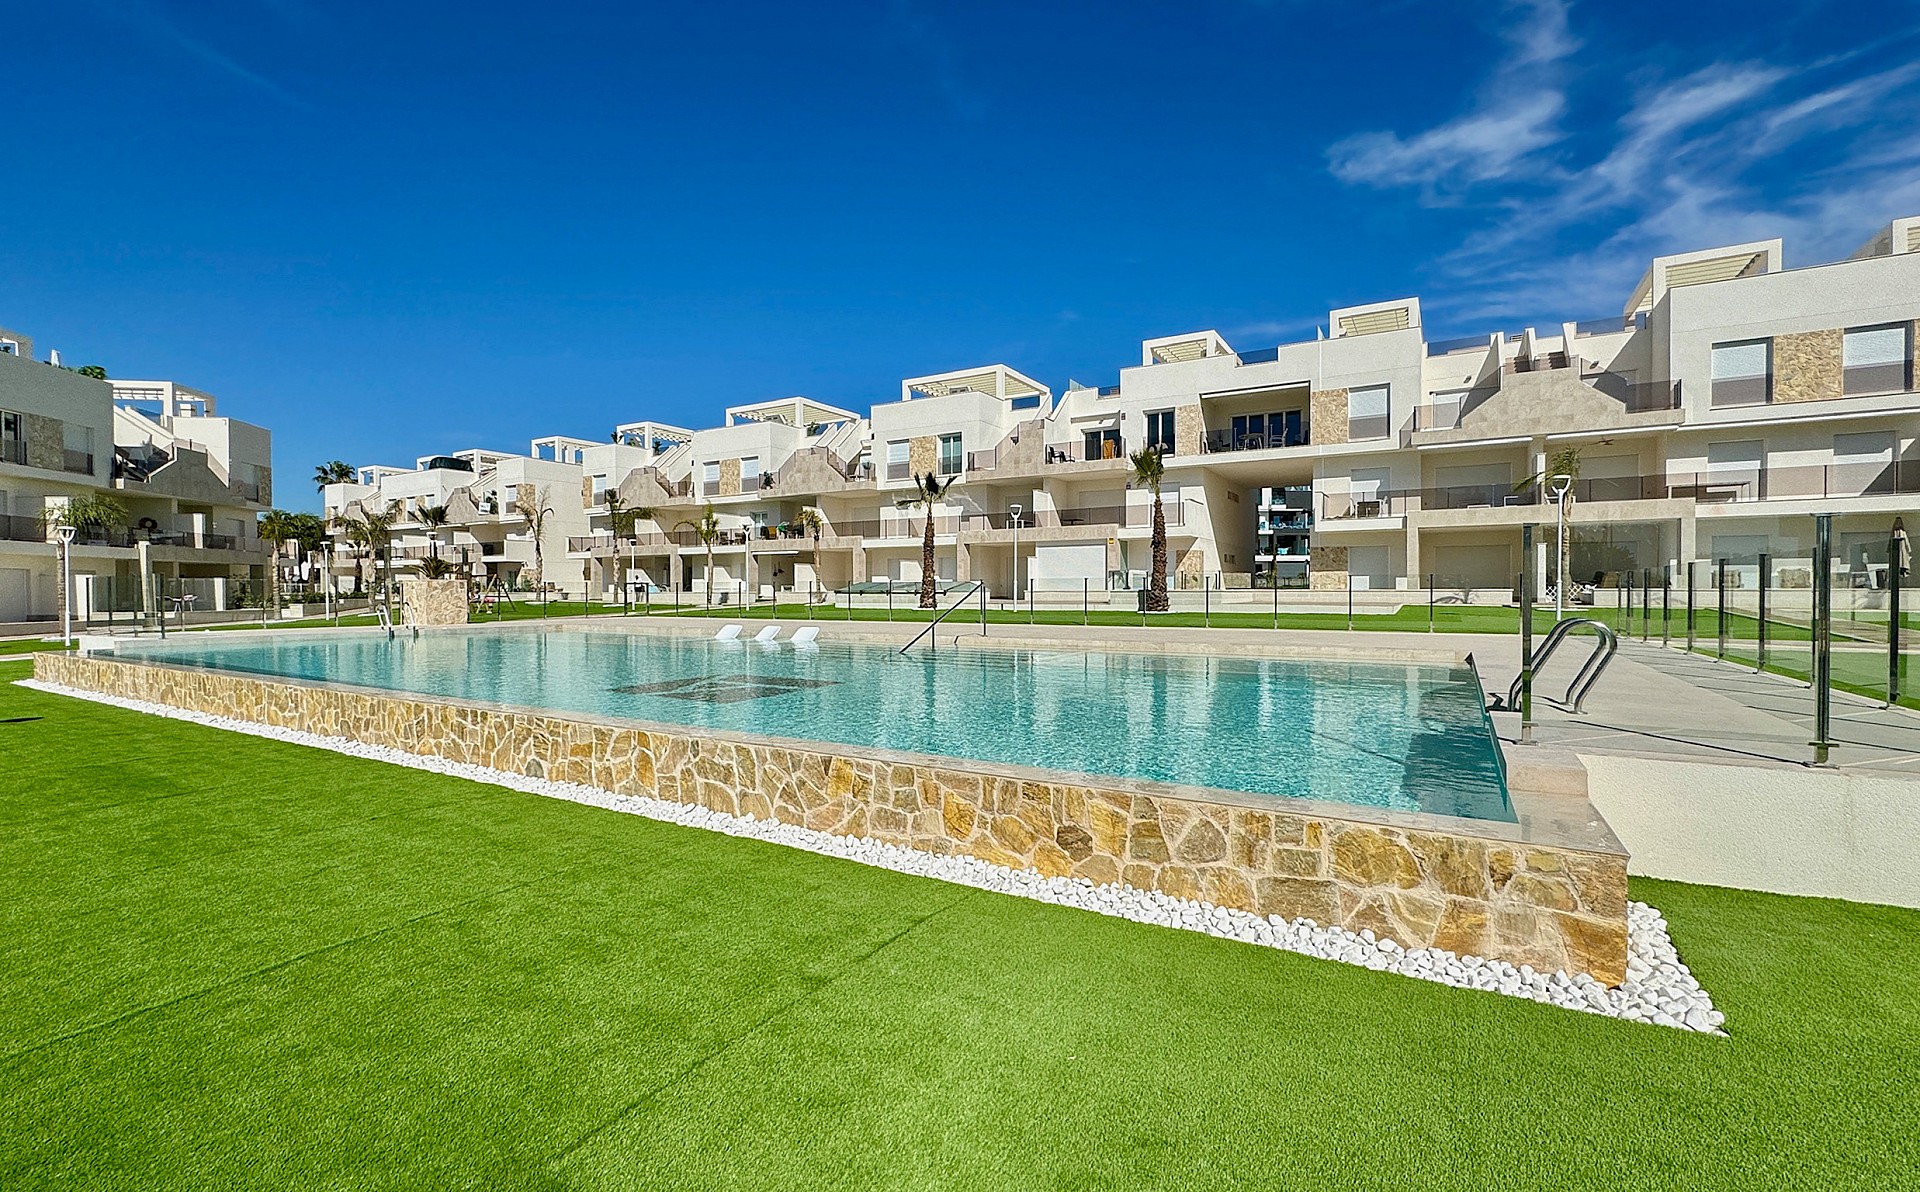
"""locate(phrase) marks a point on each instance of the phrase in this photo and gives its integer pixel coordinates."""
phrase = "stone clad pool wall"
(1551, 907)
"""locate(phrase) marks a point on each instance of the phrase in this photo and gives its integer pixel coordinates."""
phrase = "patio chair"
(727, 633)
(769, 634)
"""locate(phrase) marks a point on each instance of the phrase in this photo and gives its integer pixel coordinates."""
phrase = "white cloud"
(1517, 115)
(1729, 152)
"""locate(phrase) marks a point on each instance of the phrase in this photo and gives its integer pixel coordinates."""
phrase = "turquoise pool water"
(1391, 735)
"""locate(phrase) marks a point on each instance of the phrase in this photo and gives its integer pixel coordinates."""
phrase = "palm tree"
(434, 518)
(707, 529)
(928, 489)
(277, 526)
(1149, 469)
(536, 516)
(621, 519)
(1564, 462)
(437, 568)
(337, 471)
(374, 531)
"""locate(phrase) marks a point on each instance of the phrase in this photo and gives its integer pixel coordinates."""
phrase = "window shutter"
(1732, 362)
(1877, 345)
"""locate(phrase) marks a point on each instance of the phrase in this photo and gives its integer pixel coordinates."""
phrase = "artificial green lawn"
(231, 962)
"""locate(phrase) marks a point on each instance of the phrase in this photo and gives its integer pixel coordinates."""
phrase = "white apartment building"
(1728, 399)
(192, 483)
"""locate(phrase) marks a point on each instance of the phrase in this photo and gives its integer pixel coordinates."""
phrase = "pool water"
(1411, 737)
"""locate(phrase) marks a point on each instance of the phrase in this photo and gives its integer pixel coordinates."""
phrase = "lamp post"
(1016, 510)
(65, 534)
(1560, 485)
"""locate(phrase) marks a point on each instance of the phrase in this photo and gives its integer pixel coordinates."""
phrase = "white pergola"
(801, 412)
(995, 380)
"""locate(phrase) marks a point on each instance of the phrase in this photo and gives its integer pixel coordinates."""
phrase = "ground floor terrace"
(1049, 562)
(122, 582)
(1482, 550)
(269, 963)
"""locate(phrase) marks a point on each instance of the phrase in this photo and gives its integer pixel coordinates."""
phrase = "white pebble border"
(1659, 989)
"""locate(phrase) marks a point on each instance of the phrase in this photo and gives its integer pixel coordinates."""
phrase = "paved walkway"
(1663, 701)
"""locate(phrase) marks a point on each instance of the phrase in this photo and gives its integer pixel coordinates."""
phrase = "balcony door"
(1103, 444)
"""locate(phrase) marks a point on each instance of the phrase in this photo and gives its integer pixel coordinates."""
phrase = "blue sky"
(385, 230)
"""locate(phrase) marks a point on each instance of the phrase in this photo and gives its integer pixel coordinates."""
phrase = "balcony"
(32, 529)
(78, 462)
(1225, 440)
(1634, 398)
(1133, 517)
(1052, 454)
(1711, 487)
(22, 529)
(13, 451)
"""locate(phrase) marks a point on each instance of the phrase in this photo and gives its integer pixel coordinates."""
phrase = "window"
(1160, 430)
(9, 347)
(710, 477)
(1875, 360)
(897, 460)
(1743, 373)
(77, 440)
(246, 481)
(599, 490)
(951, 457)
(749, 472)
(1736, 471)
(1367, 413)
(1104, 443)
(13, 438)
(1862, 464)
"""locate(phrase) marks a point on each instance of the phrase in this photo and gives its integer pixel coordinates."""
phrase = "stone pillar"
(1189, 430)
(1327, 423)
(1327, 568)
(433, 601)
(923, 455)
(729, 478)
(962, 562)
(1808, 366)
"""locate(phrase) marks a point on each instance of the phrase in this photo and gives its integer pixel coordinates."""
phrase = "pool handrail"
(1606, 645)
(978, 586)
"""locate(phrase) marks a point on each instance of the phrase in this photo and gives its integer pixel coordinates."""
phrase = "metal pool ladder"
(1606, 644)
(385, 616)
(978, 586)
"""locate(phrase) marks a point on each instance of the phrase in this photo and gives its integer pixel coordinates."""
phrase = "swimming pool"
(1400, 736)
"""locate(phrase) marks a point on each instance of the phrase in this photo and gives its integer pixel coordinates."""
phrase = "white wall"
(1827, 833)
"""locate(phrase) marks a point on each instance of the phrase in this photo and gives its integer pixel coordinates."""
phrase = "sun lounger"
(727, 633)
(770, 633)
(804, 635)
